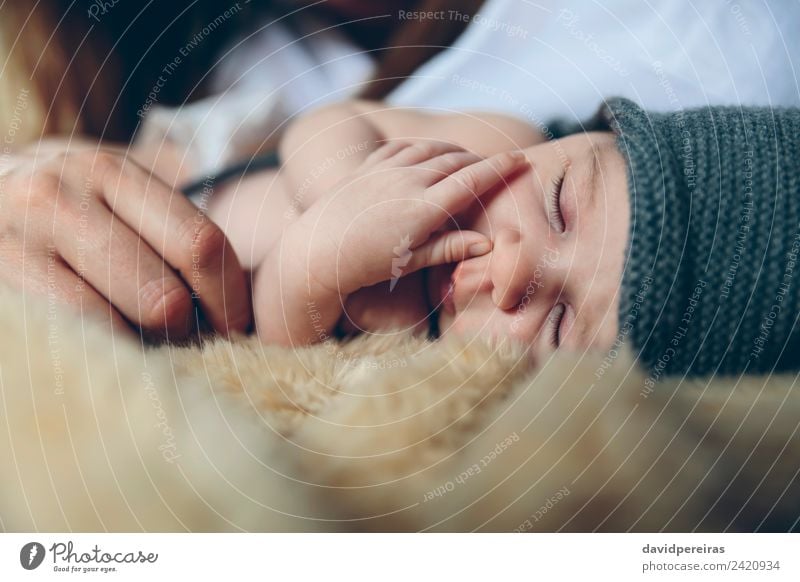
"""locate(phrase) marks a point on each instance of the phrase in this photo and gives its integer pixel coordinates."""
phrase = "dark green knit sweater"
(711, 280)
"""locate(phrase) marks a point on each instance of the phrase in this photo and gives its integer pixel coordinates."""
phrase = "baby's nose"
(508, 269)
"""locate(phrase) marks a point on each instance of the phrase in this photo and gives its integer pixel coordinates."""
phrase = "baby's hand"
(384, 220)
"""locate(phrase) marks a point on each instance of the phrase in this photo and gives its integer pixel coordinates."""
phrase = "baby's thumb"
(449, 247)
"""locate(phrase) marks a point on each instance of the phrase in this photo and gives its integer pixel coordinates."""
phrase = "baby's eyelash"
(554, 323)
(554, 203)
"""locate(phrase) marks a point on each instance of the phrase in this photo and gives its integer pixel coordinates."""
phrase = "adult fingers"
(186, 238)
(447, 247)
(122, 267)
(49, 276)
(456, 192)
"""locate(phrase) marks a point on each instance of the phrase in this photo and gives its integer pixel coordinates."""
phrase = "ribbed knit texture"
(711, 280)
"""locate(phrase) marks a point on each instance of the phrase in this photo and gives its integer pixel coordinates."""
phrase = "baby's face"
(559, 232)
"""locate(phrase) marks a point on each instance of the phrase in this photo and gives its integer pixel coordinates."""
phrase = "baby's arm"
(322, 147)
(335, 248)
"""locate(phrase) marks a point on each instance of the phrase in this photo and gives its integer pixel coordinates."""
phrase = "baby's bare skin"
(320, 149)
(558, 228)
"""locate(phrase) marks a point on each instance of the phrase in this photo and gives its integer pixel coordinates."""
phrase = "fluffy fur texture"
(383, 433)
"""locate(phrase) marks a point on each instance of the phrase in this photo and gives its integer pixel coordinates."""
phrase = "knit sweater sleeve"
(711, 278)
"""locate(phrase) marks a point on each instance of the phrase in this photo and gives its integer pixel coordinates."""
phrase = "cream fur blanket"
(380, 434)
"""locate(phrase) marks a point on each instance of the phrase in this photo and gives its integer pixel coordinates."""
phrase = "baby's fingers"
(448, 247)
(456, 192)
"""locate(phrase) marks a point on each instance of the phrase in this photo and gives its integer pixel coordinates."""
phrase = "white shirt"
(546, 59)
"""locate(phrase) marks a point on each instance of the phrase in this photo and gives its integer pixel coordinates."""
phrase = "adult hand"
(88, 227)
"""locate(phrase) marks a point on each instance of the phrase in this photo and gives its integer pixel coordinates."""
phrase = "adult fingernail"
(479, 248)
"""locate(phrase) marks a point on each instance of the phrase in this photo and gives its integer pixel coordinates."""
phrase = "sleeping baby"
(672, 232)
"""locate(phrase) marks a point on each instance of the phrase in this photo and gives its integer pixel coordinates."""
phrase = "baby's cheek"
(464, 324)
(471, 324)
